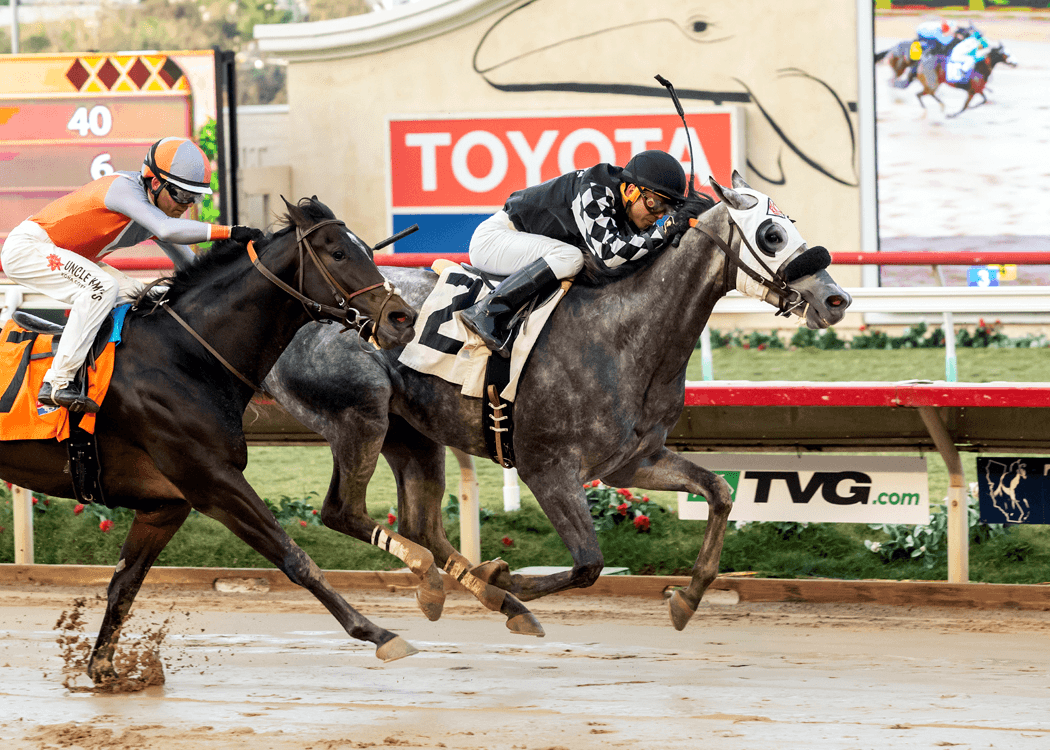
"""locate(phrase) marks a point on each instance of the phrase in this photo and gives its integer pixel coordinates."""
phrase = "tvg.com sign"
(829, 489)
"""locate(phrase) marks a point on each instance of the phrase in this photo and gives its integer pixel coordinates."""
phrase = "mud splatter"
(137, 660)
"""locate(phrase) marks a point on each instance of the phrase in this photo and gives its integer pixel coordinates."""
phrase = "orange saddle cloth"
(25, 357)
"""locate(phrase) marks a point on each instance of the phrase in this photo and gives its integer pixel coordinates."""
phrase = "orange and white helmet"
(181, 162)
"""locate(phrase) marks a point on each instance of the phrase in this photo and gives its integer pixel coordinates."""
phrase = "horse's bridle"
(790, 299)
(342, 297)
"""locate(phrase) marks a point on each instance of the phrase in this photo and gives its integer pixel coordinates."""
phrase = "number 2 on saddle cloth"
(25, 355)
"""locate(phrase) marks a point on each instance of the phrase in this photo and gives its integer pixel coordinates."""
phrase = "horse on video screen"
(907, 55)
(169, 431)
(931, 73)
(898, 58)
(604, 384)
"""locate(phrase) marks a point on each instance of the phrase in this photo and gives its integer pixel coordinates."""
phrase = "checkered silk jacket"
(584, 208)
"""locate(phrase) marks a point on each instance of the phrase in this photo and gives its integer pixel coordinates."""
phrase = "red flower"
(34, 501)
(641, 523)
(507, 541)
(745, 346)
(645, 498)
(980, 322)
(302, 523)
(391, 519)
(863, 328)
(315, 512)
(761, 347)
(623, 509)
(105, 524)
(47, 502)
(78, 509)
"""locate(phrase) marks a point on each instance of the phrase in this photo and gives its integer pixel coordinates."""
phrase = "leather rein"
(790, 299)
(342, 297)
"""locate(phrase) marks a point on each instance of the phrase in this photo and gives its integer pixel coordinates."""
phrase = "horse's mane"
(222, 252)
(595, 273)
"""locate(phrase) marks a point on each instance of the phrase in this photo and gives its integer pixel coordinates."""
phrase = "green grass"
(833, 550)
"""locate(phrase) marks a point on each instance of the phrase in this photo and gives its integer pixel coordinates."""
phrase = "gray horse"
(604, 385)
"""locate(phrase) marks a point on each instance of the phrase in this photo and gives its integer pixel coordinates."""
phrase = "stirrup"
(70, 398)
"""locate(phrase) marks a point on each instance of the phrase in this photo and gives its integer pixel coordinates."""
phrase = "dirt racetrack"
(272, 672)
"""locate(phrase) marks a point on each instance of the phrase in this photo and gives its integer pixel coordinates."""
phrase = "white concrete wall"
(264, 154)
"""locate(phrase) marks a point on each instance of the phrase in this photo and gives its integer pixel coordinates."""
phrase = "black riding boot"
(71, 397)
(489, 317)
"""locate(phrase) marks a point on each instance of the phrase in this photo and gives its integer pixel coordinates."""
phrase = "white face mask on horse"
(778, 266)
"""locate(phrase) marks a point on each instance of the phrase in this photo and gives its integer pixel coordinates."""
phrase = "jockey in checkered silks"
(543, 231)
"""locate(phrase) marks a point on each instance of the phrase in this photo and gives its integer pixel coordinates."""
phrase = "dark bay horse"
(604, 385)
(931, 74)
(170, 433)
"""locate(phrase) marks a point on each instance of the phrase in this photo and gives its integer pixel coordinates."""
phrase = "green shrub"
(928, 543)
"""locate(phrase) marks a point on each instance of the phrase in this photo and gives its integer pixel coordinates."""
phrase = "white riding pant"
(957, 70)
(31, 259)
(497, 247)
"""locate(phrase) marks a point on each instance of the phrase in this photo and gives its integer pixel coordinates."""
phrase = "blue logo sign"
(1013, 490)
(982, 276)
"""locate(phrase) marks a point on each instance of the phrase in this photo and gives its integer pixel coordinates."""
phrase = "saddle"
(22, 418)
(39, 325)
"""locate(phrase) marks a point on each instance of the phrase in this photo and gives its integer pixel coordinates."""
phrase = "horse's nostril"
(836, 300)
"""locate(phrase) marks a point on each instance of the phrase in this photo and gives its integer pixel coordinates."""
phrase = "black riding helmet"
(657, 171)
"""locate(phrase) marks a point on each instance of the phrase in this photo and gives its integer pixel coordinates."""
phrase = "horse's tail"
(880, 55)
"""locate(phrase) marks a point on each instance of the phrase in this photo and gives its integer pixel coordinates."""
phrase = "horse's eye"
(771, 237)
(338, 255)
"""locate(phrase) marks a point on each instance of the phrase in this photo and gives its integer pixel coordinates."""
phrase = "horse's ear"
(717, 188)
(738, 180)
(732, 198)
(295, 214)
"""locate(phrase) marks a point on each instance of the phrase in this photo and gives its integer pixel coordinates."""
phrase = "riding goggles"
(657, 205)
(181, 196)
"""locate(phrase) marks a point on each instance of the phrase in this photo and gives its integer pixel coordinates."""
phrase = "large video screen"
(977, 179)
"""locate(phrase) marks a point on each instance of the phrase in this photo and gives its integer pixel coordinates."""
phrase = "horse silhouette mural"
(726, 49)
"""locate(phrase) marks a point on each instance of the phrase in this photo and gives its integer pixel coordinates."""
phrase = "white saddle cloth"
(456, 290)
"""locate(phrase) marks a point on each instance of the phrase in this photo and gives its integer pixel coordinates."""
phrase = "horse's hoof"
(396, 648)
(681, 611)
(491, 571)
(102, 673)
(430, 594)
(525, 624)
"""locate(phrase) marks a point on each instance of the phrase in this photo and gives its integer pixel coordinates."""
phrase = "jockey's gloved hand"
(679, 222)
(244, 235)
